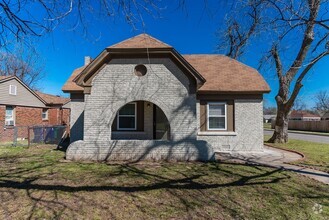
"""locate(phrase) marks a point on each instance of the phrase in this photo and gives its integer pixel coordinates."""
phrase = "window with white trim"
(45, 114)
(12, 90)
(10, 117)
(126, 118)
(217, 116)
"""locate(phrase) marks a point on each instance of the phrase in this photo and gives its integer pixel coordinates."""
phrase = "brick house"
(141, 99)
(20, 106)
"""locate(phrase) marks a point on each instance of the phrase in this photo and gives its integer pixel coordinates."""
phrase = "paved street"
(305, 137)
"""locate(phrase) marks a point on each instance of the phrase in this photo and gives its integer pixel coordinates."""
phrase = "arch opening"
(140, 120)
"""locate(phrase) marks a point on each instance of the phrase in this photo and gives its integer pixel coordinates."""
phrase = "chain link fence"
(32, 135)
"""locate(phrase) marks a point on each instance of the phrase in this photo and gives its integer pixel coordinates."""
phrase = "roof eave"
(97, 63)
(251, 92)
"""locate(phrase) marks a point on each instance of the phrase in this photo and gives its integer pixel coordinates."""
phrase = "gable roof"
(224, 74)
(46, 99)
(141, 41)
(216, 73)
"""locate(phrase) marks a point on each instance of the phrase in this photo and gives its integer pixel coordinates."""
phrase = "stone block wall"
(116, 85)
(170, 89)
(77, 119)
(248, 134)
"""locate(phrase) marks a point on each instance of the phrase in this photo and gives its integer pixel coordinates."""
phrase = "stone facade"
(166, 86)
(77, 119)
(248, 134)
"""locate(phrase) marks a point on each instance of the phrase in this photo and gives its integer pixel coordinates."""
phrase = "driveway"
(304, 137)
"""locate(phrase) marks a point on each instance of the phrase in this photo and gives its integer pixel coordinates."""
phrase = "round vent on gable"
(140, 70)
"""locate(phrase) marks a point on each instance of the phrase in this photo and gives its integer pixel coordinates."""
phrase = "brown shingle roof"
(70, 85)
(141, 41)
(52, 99)
(224, 74)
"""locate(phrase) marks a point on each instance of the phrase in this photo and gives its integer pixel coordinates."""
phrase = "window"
(140, 70)
(127, 117)
(10, 119)
(12, 90)
(216, 116)
(44, 114)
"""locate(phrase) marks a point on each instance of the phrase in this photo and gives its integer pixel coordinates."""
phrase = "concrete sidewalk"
(277, 158)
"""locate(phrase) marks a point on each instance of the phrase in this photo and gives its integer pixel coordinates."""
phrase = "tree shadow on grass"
(180, 182)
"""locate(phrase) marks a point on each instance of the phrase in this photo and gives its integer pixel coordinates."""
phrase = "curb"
(301, 132)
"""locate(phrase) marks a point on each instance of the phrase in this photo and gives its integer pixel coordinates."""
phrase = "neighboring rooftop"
(46, 98)
(52, 99)
(302, 114)
(269, 116)
(4, 77)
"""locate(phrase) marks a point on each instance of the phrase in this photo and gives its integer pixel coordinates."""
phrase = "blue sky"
(191, 30)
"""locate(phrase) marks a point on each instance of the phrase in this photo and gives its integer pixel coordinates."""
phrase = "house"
(325, 116)
(268, 118)
(141, 99)
(303, 116)
(20, 106)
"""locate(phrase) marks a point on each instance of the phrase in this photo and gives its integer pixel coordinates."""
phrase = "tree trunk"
(280, 134)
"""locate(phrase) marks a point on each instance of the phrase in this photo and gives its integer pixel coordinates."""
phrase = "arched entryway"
(140, 120)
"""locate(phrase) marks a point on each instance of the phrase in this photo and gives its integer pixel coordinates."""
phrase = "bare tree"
(21, 20)
(239, 31)
(299, 105)
(269, 110)
(24, 18)
(26, 65)
(322, 102)
(298, 31)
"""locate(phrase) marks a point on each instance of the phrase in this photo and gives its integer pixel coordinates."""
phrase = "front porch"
(140, 120)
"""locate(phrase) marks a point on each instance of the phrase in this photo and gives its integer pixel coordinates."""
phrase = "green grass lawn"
(36, 183)
(316, 154)
(267, 125)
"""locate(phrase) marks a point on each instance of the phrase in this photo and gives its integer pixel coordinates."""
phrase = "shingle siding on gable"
(23, 97)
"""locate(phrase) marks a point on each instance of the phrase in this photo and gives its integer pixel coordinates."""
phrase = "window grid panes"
(127, 117)
(45, 114)
(9, 118)
(216, 116)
